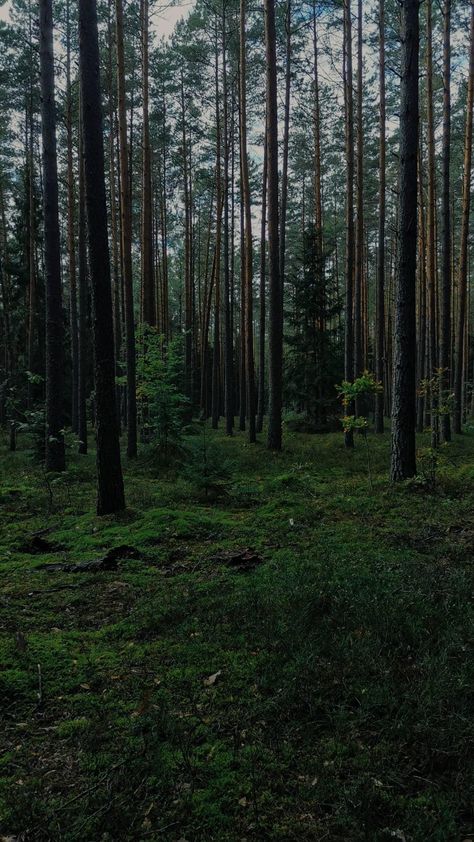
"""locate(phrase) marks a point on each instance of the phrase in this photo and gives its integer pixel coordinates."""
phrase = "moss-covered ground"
(326, 693)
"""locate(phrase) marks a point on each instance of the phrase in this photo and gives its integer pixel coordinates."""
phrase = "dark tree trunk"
(403, 461)
(148, 286)
(380, 290)
(110, 483)
(262, 314)
(359, 256)
(228, 350)
(71, 232)
(275, 286)
(464, 242)
(349, 272)
(126, 235)
(82, 305)
(55, 457)
(286, 146)
(248, 248)
(445, 314)
(216, 353)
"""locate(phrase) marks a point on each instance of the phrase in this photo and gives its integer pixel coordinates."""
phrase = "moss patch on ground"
(325, 693)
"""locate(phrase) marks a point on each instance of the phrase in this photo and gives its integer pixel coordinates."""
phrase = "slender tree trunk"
(228, 350)
(431, 219)
(126, 235)
(71, 230)
(215, 401)
(349, 132)
(275, 285)
(461, 343)
(359, 244)
(110, 482)
(262, 313)
(55, 457)
(32, 296)
(380, 290)
(286, 144)
(148, 287)
(248, 250)
(422, 332)
(403, 461)
(82, 304)
(445, 315)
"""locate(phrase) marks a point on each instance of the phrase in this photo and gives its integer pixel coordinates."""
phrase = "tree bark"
(248, 246)
(148, 286)
(380, 288)
(262, 309)
(110, 482)
(445, 314)
(464, 242)
(126, 236)
(349, 142)
(403, 461)
(55, 456)
(82, 303)
(275, 286)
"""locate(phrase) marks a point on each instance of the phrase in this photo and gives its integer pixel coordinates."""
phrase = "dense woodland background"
(212, 209)
(236, 298)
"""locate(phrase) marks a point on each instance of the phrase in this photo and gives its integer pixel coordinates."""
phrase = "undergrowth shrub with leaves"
(161, 403)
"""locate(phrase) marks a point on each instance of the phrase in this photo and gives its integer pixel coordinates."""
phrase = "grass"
(326, 694)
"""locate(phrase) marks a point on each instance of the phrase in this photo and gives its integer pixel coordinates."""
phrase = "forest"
(236, 421)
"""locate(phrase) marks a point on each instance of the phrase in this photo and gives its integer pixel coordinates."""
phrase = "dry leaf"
(209, 682)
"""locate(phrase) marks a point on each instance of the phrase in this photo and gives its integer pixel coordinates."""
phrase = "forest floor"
(320, 687)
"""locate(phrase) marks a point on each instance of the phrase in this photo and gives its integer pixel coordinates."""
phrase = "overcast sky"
(164, 16)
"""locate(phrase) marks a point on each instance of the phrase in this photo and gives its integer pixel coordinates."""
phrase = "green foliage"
(338, 657)
(206, 468)
(161, 404)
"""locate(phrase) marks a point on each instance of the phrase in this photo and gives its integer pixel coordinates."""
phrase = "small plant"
(207, 470)
(161, 404)
(439, 400)
(363, 387)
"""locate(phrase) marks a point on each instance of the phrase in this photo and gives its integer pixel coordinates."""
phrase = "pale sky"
(164, 17)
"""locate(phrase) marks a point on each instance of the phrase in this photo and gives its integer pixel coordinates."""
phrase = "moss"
(342, 705)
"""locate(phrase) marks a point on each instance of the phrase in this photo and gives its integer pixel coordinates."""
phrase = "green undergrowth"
(325, 693)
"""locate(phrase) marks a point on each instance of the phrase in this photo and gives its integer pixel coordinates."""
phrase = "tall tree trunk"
(55, 457)
(228, 345)
(431, 219)
(215, 401)
(110, 482)
(318, 204)
(380, 290)
(274, 282)
(464, 241)
(286, 144)
(148, 286)
(71, 230)
(126, 235)
(349, 272)
(445, 314)
(359, 256)
(32, 273)
(188, 339)
(248, 247)
(403, 461)
(82, 303)
(262, 308)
